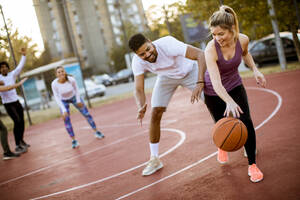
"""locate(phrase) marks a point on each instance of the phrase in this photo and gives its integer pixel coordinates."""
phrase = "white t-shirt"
(170, 62)
(65, 91)
(10, 79)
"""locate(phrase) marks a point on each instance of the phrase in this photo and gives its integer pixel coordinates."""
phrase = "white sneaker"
(153, 165)
(245, 153)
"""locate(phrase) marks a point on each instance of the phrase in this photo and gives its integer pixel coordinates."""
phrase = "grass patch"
(40, 116)
(272, 69)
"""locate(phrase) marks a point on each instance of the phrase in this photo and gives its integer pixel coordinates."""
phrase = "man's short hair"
(4, 63)
(136, 41)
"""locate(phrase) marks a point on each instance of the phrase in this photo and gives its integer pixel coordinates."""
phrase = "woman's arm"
(57, 97)
(214, 74)
(248, 59)
(10, 87)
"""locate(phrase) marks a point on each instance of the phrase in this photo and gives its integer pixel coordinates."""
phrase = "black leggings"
(217, 106)
(15, 111)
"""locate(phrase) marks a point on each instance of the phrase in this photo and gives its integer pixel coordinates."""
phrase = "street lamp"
(15, 63)
(118, 6)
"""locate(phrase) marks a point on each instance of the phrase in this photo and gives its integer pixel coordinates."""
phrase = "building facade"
(89, 28)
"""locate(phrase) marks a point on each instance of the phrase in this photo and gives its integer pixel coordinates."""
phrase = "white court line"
(212, 154)
(72, 158)
(182, 139)
(129, 124)
(88, 152)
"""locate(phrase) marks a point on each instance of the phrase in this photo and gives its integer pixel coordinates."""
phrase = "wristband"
(200, 82)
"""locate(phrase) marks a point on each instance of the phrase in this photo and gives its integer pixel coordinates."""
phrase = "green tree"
(253, 15)
(18, 42)
(165, 20)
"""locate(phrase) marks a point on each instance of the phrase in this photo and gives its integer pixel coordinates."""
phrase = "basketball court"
(111, 168)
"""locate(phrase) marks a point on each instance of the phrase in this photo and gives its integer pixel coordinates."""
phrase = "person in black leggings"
(224, 92)
(11, 102)
(7, 153)
(216, 106)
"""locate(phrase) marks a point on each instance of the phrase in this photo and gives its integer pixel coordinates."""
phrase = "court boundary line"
(214, 153)
(182, 139)
(85, 153)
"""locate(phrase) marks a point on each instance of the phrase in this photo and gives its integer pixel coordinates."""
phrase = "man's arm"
(140, 96)
(194, 53)
(21, 64)
(10, 87)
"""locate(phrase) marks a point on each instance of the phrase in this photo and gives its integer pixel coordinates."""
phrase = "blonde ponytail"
(225, 17)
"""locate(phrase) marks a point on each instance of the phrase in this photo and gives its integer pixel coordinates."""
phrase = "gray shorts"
(165, 87)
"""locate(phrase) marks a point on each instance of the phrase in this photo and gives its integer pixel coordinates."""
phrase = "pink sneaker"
(222, 156)
(255, 174)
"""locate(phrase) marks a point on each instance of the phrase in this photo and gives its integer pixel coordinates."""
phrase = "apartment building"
(89, 27)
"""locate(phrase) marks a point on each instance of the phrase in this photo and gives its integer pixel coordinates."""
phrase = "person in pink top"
(224, 91)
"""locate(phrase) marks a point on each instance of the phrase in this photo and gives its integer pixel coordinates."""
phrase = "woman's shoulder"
(70, 77)
(210, 46)
(243, 39)
(54, 81)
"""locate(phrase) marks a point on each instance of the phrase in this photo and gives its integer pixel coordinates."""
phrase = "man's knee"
(157, 113)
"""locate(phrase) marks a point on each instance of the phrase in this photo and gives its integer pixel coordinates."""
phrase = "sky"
(23, 16)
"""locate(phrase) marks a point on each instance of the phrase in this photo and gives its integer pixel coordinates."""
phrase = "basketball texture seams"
(229, 134)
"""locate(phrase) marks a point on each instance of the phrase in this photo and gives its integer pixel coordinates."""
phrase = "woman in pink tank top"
(224, 91)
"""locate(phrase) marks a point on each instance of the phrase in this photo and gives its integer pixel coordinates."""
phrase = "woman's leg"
(216, 107)
(67, 121)
(240, 97)
(84, 111)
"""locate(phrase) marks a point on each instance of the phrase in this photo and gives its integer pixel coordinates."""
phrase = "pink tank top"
(230, 76)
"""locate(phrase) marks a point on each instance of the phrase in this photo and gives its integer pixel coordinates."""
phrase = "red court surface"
(111, 168)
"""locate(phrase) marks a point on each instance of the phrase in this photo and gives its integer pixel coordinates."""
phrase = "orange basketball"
(229, 134)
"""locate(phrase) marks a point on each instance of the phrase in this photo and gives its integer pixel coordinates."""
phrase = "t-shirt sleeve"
(172, 46)
(137, 66)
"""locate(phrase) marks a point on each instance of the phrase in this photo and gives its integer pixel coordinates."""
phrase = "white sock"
(154, 149)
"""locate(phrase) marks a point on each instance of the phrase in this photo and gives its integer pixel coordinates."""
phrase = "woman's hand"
(65, 115)
(234, 109)
(80, 104)
(259, 77)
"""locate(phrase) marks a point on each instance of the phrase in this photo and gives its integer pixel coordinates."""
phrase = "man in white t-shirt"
(174, 63)
(11, 102)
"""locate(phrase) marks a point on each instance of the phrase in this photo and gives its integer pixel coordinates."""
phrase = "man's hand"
(23, 51)
(197, 92)
(141, 113)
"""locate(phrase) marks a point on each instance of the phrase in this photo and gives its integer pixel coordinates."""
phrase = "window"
(259, 46)
(54, 25)
(134, 8)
